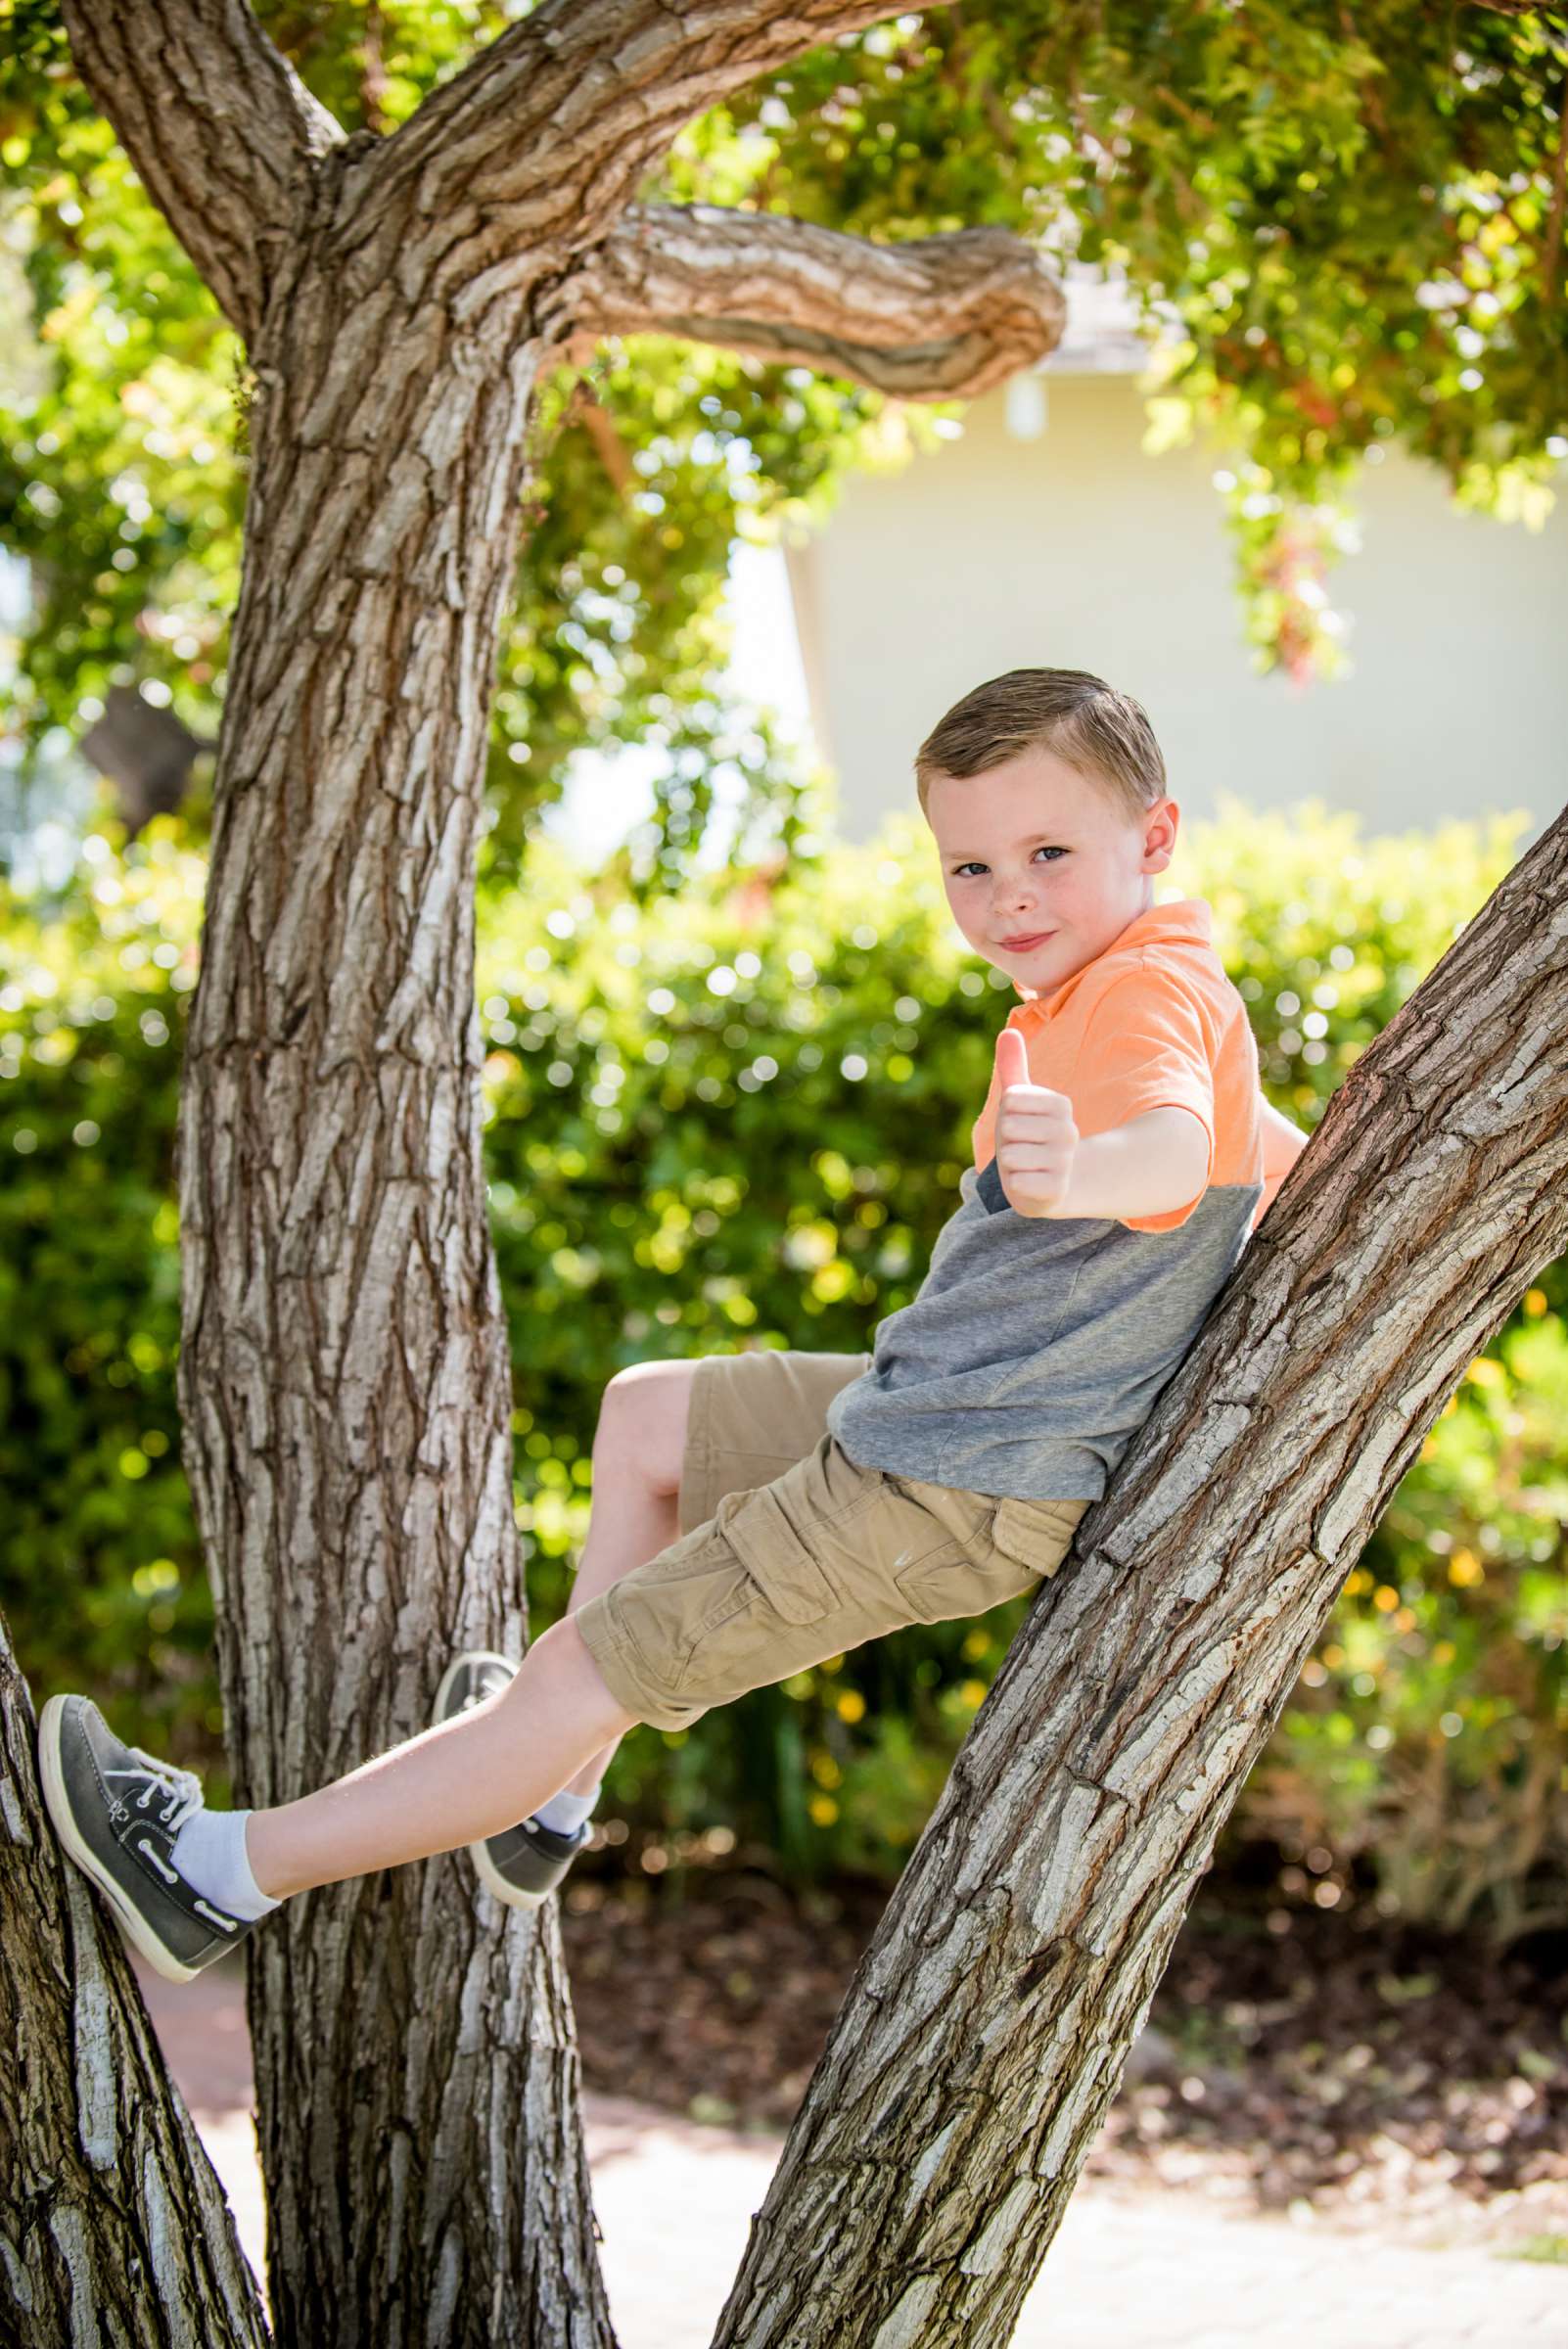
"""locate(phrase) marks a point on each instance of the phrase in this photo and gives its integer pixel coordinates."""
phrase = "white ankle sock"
(209, 1853)
(566, 1813)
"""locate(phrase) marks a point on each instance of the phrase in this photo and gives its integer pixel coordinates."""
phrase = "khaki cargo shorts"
(790, 1553)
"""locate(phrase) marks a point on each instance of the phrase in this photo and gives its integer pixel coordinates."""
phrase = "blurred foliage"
(1429, 1738)
(737, 1117)
(1352, 220)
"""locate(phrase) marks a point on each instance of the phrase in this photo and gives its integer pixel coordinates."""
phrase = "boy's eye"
(976, 866)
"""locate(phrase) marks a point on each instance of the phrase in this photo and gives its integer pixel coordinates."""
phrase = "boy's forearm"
(1145, 1167)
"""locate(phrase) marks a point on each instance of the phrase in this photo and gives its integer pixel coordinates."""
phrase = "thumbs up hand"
(1036, 1139)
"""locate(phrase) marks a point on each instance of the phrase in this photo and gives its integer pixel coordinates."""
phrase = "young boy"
(760, 1512)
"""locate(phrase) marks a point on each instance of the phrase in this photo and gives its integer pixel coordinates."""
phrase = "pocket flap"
(764, 1538)
(1039, 1534)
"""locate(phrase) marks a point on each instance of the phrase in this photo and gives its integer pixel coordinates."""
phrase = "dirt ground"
(1331, 2134)
(1387, 2080)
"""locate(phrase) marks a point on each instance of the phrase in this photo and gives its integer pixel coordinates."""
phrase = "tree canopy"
(1348, 221)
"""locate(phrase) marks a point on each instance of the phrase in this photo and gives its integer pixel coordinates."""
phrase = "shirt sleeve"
(1145, 1046)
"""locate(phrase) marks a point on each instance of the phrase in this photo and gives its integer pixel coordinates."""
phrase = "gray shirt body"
(1037, 1346)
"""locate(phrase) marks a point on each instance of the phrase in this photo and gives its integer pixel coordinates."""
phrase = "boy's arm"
(1150, 1166)
(1284, 1142)
(1159, 1161)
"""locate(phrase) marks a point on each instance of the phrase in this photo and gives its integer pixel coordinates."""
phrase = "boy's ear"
(1160, 834)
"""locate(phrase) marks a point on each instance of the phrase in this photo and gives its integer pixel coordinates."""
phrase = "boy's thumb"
(1012, 1059)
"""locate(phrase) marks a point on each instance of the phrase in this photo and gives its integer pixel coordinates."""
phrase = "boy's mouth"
(1034, 938)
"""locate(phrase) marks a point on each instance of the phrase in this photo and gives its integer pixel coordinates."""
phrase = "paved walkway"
(1162, 2271)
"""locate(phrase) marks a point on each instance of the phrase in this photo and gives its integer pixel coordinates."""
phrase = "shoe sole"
(132, 1924)
(490, 1876)
(511, 1896)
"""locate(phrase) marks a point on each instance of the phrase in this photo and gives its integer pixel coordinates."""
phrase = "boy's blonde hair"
(1102, 733)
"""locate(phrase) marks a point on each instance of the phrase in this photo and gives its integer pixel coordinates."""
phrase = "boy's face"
(1042, 867)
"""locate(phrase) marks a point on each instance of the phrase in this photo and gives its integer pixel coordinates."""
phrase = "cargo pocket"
(1036, 1534)
(949, 1583)
(938, 1587)
(763, 1536)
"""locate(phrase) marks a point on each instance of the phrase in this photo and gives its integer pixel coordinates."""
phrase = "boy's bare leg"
(638, 1448)
(552, 1728)
(468, 1778)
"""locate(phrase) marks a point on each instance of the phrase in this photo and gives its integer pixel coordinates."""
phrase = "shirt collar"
(1183, 920)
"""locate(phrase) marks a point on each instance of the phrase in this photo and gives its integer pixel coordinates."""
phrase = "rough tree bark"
(986, 2030)
(113, 2227)
(343, 1379)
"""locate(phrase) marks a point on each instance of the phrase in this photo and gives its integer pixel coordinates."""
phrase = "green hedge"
(738, 1118)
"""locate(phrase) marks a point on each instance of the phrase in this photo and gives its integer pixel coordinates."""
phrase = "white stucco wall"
(1076, 550)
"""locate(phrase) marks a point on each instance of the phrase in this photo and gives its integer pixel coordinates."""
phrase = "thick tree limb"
(937, 318)
(985, 2033)
(220, 128)
(524, 160)
(608, 83)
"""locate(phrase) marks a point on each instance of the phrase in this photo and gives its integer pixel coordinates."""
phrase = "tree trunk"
(113, 2227)
(986, 2030)
(344, 1373)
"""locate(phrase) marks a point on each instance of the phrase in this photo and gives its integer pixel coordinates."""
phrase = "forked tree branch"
(532, 150)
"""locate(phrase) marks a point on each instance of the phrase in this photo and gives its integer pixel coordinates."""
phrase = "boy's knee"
(617, 1439)
(643, 1416)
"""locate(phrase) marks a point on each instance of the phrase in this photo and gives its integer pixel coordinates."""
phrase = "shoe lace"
(181, 1789)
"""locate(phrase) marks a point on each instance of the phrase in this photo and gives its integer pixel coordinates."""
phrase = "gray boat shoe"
(118, 1810)
(523, 1865)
